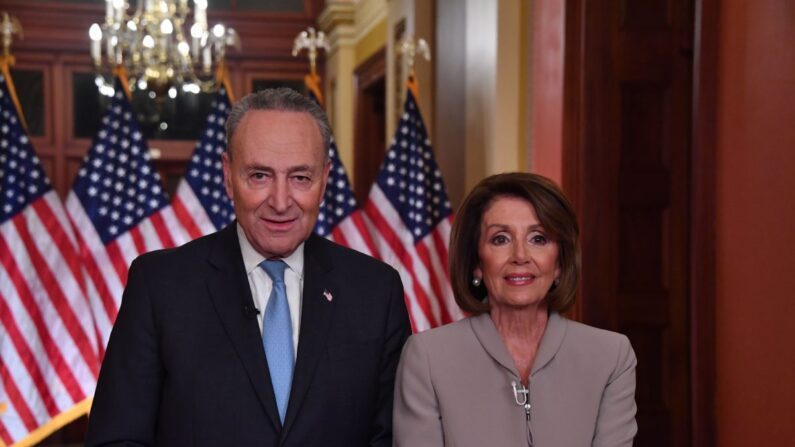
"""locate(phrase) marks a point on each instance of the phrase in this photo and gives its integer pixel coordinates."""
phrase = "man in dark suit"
(261, 334)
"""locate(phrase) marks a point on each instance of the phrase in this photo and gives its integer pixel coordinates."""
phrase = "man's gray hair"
(280, 99)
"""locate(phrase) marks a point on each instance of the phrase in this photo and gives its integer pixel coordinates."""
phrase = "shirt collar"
(252, 258)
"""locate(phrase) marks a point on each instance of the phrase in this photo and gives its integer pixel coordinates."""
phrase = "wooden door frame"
(702, 190)
(702, 221)
(365, 75)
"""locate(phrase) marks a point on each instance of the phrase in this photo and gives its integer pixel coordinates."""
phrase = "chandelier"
(151, 46)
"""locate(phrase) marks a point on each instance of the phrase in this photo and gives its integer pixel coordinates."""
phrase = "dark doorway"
(369, 143)
(627, 151)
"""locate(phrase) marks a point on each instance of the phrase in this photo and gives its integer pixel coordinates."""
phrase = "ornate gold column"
(337, 21)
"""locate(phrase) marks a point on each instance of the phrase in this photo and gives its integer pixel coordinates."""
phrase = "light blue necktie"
(277, 336)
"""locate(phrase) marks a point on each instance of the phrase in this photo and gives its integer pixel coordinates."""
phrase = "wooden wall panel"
(626, 153)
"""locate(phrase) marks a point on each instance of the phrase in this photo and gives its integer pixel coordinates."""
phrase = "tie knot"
(275, 269)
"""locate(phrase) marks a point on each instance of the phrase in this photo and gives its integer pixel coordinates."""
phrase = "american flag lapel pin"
(328, 295)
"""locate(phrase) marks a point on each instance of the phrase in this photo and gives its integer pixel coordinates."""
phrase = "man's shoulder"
(186, 254)
(346, 258)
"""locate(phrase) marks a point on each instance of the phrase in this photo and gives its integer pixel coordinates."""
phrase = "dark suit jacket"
(185, 365)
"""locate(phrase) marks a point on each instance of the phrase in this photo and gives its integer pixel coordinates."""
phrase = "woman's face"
(518, 261)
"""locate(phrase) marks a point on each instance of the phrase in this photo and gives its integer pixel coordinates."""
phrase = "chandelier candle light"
(151, 46)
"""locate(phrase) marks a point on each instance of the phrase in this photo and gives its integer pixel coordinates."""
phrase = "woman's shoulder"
(591, 332)
(593, 340)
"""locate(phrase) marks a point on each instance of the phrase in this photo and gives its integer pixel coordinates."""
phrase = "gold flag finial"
(310, 40)
(8, 27)
(410, 48)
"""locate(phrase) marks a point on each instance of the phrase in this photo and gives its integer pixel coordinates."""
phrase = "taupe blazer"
(454, 388)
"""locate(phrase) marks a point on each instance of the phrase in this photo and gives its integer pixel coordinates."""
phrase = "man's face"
(276, 178)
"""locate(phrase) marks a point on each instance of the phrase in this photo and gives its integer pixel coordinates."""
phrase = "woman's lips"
(520, 280)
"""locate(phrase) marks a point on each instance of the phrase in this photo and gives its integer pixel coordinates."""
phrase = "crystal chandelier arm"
(154, 47)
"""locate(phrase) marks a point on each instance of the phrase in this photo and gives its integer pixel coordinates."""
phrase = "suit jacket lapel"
(551, 341)
(317, 311)
(492, 343)
(231, 296)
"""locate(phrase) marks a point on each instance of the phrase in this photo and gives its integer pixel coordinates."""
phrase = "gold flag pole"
(8, 27)
(222, 78)
(410, 48)
(311, 41)
(121, 73)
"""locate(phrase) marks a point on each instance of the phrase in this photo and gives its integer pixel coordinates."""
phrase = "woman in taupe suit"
(516, 372)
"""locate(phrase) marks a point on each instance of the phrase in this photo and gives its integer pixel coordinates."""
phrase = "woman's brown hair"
(555, 214)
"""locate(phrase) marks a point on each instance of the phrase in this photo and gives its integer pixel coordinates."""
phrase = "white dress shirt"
(261, 284)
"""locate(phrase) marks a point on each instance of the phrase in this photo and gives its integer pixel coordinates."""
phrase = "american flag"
(119, 210)
(201, 203)
(48, 347)
(410, 216)
(340, 218)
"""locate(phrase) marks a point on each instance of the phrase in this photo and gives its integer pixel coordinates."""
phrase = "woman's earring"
(476, 281)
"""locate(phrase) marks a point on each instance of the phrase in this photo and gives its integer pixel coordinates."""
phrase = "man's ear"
(227, 175)
(326, 171)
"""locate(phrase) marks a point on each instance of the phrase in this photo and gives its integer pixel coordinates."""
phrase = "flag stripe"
(360, 233)
(182, 215)
(52, 288)
(446, 300)
(439, 309)
(92, 247)
(22, 296)
(416, 315)
(58, 245)
(409, 210)
(105, 281)
(53, 248)
(19, 403)
(26, 371)
(138, 242)
(147, 233)
(58, 210)
(177, 233)
(441, 306)
(10, 414)
(30, 261)
(201, 203)
(339, 237)
(20, 293)
(48, 353)
(166, 241)
(98, 288)
(119, 263)
(54, 228)
(24, 355)
(439, 251)
(400, 251)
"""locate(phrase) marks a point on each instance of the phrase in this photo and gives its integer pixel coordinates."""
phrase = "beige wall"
(489, 68)
(478, 81)
(356, 31)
